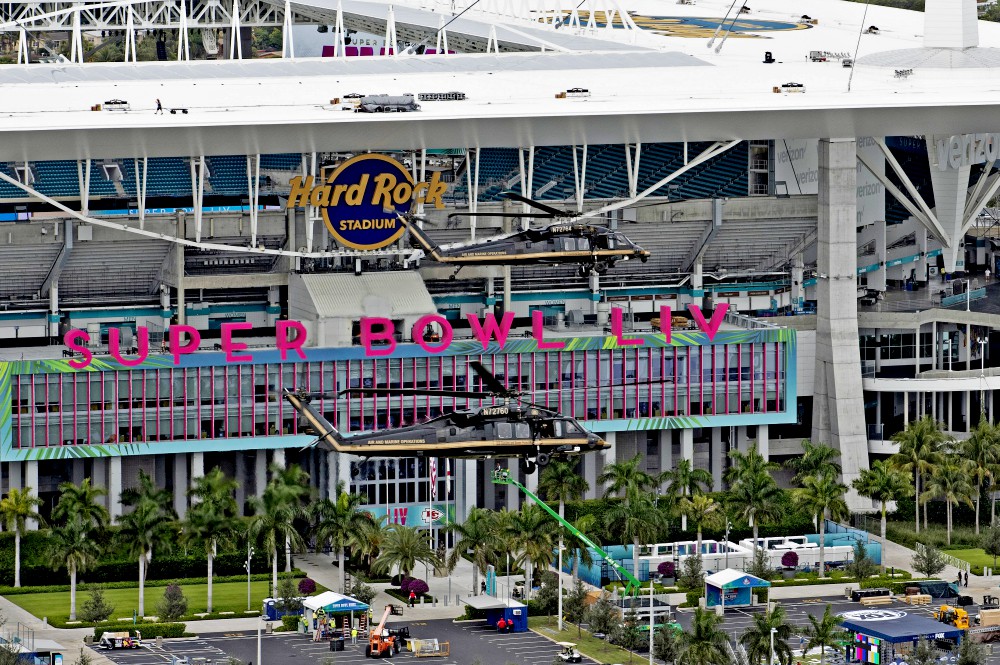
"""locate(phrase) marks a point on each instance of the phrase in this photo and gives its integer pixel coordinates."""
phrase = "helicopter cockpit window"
(505, 431)
(572, 427)
(557, 427)
(620, 238)
(522, 431)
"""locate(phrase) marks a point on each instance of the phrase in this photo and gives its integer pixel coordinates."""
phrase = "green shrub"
(290, 622)
(173, 605)
(96, 608)
(692, 598)
(148, 630)
(132, 584)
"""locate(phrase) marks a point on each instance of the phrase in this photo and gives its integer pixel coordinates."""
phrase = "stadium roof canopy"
(657, 84)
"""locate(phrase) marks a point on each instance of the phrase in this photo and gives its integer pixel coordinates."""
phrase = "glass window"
(504, 430)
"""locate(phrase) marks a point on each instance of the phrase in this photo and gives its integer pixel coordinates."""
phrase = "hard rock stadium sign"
(355, 196)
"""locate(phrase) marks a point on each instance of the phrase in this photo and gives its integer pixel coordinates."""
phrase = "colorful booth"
(319, 612)
(732, 588)
(877, 634)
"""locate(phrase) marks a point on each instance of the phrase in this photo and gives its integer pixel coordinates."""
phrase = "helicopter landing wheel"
(542, 459)
(528, 466)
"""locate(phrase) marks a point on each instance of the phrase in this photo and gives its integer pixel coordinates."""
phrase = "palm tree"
(148, 527)
(823, 633)
(626, 478)
(753, 494)
(272, 523)
(704, 643)
(822, 496)
(70, 545)
(883, 483)
(15, 510)
(704, 511)
(982, 450)
(920, 446)
(950, 481)
(212, 515)
(403, 548)
(290, 487)
(340, 522)
(816, 459)
(585, 525)
(757, 640)
(533, 537)
(685, 481)
(639, 521)
(81, 501)
(561, 482)
(477, 535)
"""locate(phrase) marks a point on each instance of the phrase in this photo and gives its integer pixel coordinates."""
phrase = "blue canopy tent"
(732, 588)
(876, 632)
(501, 608)
(322, 606)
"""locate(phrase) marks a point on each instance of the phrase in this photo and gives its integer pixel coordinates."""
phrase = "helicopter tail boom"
(324, 429)
(422, 239)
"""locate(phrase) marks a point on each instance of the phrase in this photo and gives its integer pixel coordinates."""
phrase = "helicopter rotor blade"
(430, 392)
(489, 381)
(555, 212)
(503, 214)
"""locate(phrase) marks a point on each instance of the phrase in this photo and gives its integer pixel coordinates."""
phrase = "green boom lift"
(632, 584)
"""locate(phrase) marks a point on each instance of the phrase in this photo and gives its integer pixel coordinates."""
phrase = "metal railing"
(963, 566)
(747, 322)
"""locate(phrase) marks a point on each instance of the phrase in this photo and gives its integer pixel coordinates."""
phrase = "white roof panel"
(393, 294)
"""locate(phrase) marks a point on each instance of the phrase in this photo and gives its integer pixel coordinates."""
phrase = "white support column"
(76, 40)
(511, 500)
(330, 461)
(632, 166)
(339, 43)
(697, 284)
(115, 487)
(198, 189)
(465, 487)
(140, 186)
(15, 471)
(798, 276)
(260, 472)
(183, 41)
(609, 456)
(838, 405)
(950, 24)
(22, 46)
(718, 456)
(579, 176)
(83, 173)
(78, 473)
(687, 445)
(31, 486)
(99, 478)
(54, 309)
(278, 457)
(287, 41)
(391, 47)
(253, 184)
(197, 466)
(180, 484)
(129, 49)
(235, 43)
(666, 450)
(763, 442)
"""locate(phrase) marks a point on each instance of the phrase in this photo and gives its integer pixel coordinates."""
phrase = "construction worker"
(501, 625)
(354, 635)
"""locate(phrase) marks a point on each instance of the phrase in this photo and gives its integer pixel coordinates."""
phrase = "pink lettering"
(178, 349)
(114, 346)
(616, 330)
(422, 324)
(295, 343)
(230, 347)
(537, 329)
(70, 340)
(711, 327)
(666, 322)
(486, 331)
(369, 335)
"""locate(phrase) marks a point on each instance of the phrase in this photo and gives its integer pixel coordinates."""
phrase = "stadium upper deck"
(663, 87)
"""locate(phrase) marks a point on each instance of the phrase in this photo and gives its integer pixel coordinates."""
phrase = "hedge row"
(133, 584)
(164, 567)
(149, 630)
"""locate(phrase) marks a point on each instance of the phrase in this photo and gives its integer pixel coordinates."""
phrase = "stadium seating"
(23, 268)
(132, 267)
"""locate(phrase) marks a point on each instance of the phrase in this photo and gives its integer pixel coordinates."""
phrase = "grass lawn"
(226, 597)
(588, 645)
(975, 556)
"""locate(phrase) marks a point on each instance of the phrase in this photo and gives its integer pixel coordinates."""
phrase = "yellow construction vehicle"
(954, 616)
(381, 644)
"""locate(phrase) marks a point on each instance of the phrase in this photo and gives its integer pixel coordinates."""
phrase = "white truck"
(121, 640)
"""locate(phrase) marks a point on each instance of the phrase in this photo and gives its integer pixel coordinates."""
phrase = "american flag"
(434, 478)
(447, 478)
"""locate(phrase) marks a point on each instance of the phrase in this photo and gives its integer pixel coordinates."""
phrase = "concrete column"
(595, 291)
(54, 309)
(906, 409)
(464, 479)
(687, 445)
(763, 442)
(590, 475)
(78, 473)
(260, 472)
(512, 498)
(99, 478)
(697, 284)
(951, 185)
(241, 481)
(609, 456)
(531, 481)
(935, 345)
(15, 471)
(278, 457)
(742, 441)
(330, 462)
(273, 305)
(798, 275)
(180, 484)
(31, 485)
(115, 487)
(666, 447)
(197, 465)
(838, 405)
(950, 24)
(718, 456)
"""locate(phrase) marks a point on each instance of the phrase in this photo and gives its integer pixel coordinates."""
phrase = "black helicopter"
(593, 247)
(516, 428)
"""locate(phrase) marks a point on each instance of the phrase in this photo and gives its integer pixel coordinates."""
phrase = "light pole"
(769, 662)
(261, 620)
(559, 572)
(651, 620)
(249, 557)
(728, 526)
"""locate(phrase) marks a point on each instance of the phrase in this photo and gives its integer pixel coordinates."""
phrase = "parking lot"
(470, 643)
